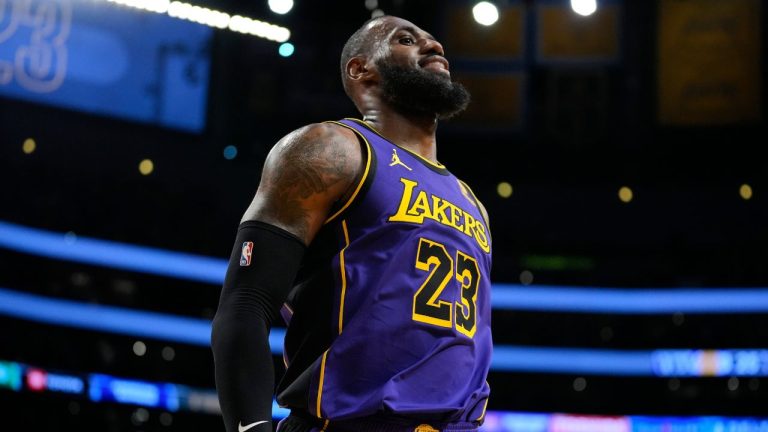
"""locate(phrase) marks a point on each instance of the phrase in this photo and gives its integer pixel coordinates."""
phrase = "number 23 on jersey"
(434, 258)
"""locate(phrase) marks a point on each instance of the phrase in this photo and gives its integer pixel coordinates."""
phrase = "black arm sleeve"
(263, 265)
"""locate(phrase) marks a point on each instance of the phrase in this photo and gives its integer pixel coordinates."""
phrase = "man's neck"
(414, 133)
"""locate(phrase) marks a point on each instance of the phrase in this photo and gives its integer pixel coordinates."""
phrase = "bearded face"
(421, 92)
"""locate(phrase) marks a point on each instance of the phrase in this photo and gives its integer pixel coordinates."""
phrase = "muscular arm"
(305, 173)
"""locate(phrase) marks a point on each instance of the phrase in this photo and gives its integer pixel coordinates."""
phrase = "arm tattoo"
(308, 165)
(312, 169)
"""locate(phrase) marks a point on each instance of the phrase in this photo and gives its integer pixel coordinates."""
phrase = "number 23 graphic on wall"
(37, 31)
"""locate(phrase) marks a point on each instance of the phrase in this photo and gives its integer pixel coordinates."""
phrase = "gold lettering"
(469, 224)
(481, 237)
(438, 209)
(402, 211)
(426, 205)
(420, 207)
(455, 217)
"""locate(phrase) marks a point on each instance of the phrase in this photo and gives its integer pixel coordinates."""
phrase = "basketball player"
(374, 253)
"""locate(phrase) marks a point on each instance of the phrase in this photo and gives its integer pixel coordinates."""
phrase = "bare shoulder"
(304, 174)
(314, 158)
(317, 141)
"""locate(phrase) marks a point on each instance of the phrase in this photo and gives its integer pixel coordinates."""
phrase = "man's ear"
(358, 69)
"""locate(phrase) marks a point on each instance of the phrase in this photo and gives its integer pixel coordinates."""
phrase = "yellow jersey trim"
(343, 274)
(485, 405)
(362, 179)
(362, 122)
(477, 201)
(320, 385)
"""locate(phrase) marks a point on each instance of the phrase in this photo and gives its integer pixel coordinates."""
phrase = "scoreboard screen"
(102, 58)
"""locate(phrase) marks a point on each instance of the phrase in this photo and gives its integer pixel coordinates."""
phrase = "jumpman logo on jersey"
(396, 160)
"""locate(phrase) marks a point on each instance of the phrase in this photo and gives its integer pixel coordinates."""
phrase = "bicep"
(304, 174)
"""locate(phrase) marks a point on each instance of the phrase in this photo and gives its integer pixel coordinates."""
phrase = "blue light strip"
(113, 319)
(747, 362)
(571, 361)
(629, 301)
(105, 253)
(505, 296)
(176, 397)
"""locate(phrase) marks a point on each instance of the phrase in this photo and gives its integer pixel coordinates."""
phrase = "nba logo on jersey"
(245, 255)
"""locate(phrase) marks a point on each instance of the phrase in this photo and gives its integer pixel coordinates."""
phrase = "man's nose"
(431, 46)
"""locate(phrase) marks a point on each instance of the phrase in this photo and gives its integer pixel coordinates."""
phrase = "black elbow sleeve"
(260, 275)
(261, 271)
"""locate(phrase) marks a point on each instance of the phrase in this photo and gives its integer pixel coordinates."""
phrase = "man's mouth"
(435, 62)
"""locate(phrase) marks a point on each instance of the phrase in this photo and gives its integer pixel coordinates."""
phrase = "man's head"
(402, 66)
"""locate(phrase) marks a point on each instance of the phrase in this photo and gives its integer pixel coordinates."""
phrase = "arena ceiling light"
(211, 18)
(280, 7)
(584, 7)
(485, 13)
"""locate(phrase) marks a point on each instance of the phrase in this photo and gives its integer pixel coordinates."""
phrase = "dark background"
(686, 226)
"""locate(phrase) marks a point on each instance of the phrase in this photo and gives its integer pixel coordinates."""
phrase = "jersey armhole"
(479, 206)
(365, 179)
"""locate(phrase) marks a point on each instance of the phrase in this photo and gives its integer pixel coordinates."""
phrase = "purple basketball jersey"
(408, 273)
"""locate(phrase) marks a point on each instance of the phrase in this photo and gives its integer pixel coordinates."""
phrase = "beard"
(421, 92)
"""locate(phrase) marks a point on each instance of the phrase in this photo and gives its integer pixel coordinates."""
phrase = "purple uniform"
(390, 316)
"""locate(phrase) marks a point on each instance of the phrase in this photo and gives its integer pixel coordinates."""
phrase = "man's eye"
(407, 40)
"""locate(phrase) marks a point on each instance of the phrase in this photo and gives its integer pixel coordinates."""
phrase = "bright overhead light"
(258, 28)
(211, 18)
(158, 6)
(584, 7)
(485, 13)
(281, 6)
(198, 14)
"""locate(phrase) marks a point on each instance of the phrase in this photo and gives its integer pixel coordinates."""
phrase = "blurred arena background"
(618, 146)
